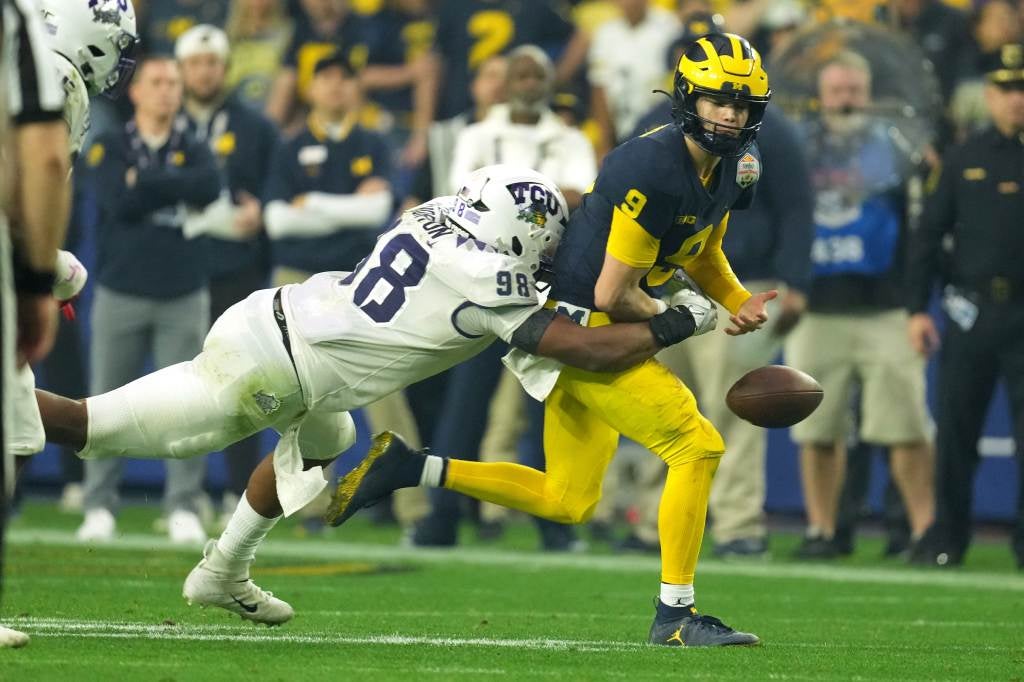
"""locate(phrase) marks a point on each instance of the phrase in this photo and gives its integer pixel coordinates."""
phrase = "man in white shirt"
(626, 63)
(524, 131)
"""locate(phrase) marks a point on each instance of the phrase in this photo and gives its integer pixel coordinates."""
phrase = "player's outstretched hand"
(751, 315)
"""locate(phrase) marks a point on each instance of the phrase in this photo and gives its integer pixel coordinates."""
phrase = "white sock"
(676, 595)
(244, 533)
(432, 470)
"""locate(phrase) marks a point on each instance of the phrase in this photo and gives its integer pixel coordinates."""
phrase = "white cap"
(202, 39)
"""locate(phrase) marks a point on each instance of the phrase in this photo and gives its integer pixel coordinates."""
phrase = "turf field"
(370, 610)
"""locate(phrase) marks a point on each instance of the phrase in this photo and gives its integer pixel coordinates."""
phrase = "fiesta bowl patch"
(748, 170)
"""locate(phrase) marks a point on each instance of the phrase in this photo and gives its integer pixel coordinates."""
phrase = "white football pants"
(241, 383)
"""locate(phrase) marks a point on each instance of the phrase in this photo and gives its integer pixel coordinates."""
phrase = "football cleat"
(12, 639)
(390, 465)
(234, 591)
(683, 626)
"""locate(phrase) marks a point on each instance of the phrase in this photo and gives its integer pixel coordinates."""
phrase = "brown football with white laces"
(774, 396)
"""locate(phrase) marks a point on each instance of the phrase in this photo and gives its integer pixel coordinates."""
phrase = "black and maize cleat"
(389, 465)
(683, 626)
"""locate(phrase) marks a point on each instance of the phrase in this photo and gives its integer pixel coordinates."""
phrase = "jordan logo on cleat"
(251, 608)
(677, 636)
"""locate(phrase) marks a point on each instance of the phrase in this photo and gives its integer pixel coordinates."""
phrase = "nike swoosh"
(251, 608)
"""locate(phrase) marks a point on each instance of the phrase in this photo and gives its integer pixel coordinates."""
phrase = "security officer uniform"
(976, 205)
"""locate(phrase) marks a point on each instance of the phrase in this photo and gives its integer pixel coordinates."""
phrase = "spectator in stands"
(328, 191)
(151, 295)
(400, 77)
(940, 31)
(161, 22)
(526, 131)
(855, 328)
(327, 27)
(486, 90)
(994, 23)
(469, 32)
(625, 64)
(259, 32)
(237, 254)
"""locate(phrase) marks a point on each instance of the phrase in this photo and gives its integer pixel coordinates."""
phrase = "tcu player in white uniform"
(93, 43)
(448, 279)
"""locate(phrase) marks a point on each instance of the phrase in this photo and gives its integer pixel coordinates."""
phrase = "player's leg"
(578, 448)
(284, 482)
(653, 407)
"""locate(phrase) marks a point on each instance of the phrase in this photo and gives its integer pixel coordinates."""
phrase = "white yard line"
(252, 634)
(336, 550)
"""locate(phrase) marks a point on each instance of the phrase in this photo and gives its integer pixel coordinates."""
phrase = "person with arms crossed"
(152, 296)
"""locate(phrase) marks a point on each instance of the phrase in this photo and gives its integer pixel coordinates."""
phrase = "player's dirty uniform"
(297, 359)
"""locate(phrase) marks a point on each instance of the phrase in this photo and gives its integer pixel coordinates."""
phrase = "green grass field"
(370, 610)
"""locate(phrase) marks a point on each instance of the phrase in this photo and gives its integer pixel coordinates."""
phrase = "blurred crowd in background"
(324, 118)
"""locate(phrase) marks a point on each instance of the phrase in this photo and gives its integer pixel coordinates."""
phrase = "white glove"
(703, 309)
(69, 276)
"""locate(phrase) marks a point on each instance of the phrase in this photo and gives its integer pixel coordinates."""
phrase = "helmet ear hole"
(517, 246)
(95, 51)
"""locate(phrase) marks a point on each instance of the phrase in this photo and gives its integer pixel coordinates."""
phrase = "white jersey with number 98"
(426, 298)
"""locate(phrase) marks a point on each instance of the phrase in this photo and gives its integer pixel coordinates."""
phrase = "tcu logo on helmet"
(540, 203)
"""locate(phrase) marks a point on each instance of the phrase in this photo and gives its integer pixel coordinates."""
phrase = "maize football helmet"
(720, 65)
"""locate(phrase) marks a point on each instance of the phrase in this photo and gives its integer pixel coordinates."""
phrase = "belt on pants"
(282, 324)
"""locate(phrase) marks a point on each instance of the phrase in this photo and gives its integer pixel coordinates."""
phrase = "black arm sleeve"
(527, 337)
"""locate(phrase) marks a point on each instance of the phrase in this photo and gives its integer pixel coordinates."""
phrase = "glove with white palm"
(703, 309)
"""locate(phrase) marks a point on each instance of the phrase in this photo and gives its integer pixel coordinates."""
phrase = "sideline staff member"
(979, 201)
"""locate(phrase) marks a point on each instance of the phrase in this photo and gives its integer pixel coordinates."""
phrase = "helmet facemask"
(715, 138)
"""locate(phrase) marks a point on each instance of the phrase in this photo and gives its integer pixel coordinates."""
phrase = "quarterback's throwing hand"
(751, 315)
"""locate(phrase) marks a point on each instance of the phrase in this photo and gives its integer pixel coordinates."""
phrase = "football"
(775, 396)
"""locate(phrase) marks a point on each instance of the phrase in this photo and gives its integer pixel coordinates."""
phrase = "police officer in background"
(978, 201)
(242, 141)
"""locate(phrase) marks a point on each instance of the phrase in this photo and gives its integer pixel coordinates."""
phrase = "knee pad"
(701, 441)
(325, 435)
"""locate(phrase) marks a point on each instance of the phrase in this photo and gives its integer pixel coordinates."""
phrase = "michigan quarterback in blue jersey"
(660, 204)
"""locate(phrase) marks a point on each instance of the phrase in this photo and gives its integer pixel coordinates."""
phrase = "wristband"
(29, 281)
(672, 326)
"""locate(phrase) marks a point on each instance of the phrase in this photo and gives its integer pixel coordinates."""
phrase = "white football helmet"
(513, 209)
(97, 36)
